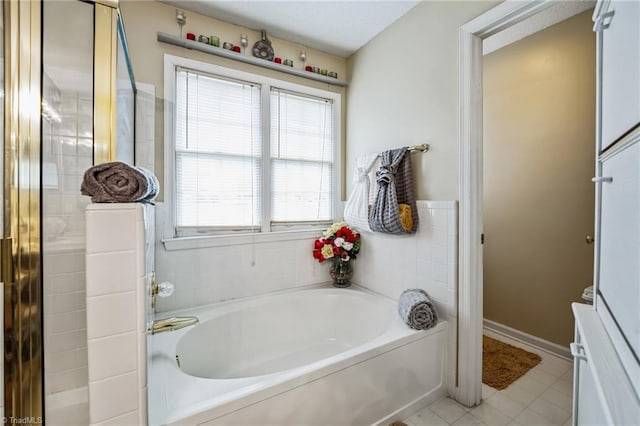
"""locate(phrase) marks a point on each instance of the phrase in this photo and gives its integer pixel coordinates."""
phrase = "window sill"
(189, 243)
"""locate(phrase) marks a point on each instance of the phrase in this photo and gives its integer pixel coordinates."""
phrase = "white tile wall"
(67, 151)
(120, 259)
(389, 264)
(64, 318)
(428, 259)
(208, 275)
(386, 264)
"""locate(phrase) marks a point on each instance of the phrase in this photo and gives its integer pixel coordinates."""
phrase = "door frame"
(468, 389)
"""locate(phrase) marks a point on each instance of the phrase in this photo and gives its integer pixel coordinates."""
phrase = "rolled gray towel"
(417, 310)
(118, 182)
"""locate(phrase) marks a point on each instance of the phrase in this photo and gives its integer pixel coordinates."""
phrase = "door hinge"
(481, 238)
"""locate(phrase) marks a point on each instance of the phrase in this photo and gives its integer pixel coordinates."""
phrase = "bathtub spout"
(172, 324)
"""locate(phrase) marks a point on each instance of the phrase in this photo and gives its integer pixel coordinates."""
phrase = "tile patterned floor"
(539, 398)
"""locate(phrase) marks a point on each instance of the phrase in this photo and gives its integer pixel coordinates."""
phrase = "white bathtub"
(319, 356)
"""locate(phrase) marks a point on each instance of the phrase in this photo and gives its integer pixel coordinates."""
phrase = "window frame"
(222, 236)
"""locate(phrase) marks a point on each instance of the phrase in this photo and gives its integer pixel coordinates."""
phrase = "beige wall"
(539, 120)
(144, 19)
(404, 91)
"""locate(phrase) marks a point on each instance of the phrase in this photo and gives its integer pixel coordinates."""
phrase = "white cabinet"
(590, 410)
(618, 298)
(602, 393)
(607, 346)
(617, 23)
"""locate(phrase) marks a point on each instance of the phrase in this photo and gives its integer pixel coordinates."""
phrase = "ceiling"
(336, 27)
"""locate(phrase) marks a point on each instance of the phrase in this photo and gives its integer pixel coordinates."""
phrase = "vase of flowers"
(340, 245)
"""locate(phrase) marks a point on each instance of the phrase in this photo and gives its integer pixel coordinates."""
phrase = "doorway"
(538, 137)
(503, 19)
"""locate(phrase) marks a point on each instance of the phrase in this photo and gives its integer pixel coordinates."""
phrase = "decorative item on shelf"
(333, 74)
(277, 60)
(262, 48)
(181, 18)
(244, 42)
(324, 71)
(308, 68)
(227, 45)
(288, 62)
(303, 56)
(203, 39)
(236, 49)
(339, 244)
(316, 70)
(191, 36)
(214, 41)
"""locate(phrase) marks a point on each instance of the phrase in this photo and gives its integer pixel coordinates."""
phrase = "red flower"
(347, 234)
(317, 254)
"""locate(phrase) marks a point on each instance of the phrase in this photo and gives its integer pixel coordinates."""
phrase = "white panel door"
(620, 70)
(619, 282)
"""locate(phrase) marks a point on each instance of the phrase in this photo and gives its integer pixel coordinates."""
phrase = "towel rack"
(422, 147)
(416, 148)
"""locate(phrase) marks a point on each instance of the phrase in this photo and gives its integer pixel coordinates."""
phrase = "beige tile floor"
(539, 398)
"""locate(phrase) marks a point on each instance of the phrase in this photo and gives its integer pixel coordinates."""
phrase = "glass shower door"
(67, 151)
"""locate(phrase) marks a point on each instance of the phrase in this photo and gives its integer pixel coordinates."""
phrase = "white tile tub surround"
(387, 264)
(213, 274)
(119, 259)
(428, 259)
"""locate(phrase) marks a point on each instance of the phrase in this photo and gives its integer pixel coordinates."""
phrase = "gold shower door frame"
(21, 259)
(21, 245)
(104, 82)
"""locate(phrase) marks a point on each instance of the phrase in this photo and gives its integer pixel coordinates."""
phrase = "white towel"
(356, 209)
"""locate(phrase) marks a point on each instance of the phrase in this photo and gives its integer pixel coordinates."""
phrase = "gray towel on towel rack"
(395, 186)
(119, 182)
(417, 310)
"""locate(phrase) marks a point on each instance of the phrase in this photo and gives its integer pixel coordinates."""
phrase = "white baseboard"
(521, 336)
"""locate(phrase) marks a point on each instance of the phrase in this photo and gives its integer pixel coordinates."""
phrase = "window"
(250, 153)
(301, 158)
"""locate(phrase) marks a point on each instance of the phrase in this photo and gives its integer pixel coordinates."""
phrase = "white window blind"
(217, 153)
(302, 143)
(251, 153)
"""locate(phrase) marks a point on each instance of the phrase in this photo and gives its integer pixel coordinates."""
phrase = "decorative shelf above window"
(194, 45)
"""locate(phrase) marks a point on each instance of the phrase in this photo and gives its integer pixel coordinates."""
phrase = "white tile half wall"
(120, 258)
(387, 264)
(212, 274)
(428, 259)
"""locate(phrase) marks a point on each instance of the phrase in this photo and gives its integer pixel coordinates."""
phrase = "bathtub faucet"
(172, 324)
